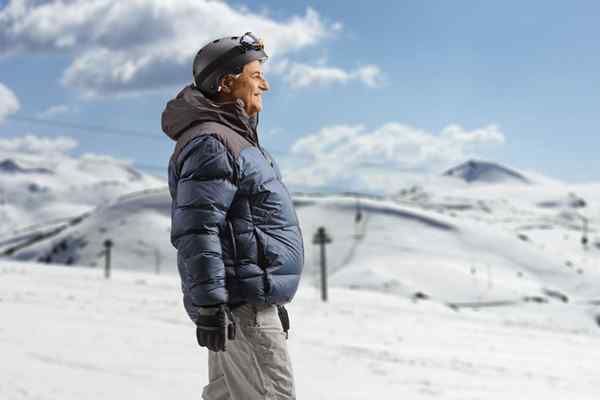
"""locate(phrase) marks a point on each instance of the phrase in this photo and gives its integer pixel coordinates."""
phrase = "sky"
(363, 94)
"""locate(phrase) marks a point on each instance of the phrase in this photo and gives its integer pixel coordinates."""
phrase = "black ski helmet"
(224, 56)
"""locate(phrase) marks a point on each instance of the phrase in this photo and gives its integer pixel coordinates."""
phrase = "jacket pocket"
(263, 262)
(234, 249)
(261, 259)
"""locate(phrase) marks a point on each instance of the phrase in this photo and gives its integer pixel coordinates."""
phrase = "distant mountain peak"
(11, 167)
(473, 171)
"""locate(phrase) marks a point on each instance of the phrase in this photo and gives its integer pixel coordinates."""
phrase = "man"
(239, 246)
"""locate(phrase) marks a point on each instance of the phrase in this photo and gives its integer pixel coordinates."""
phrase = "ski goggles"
(248, 41)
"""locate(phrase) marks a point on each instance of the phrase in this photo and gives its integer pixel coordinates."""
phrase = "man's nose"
(265, 86)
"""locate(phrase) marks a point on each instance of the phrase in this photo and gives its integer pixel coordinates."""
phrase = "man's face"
(249, 86)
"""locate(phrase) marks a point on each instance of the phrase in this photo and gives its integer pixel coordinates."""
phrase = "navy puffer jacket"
(233, 221)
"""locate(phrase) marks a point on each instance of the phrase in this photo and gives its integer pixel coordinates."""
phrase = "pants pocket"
(271, 350)
(267, 318)
(261, 353)
(216, 390)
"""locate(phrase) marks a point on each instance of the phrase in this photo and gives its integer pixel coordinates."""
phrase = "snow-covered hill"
(138, 224)
(445, 239)
(67, 333)
(447, 254)
(41, 187)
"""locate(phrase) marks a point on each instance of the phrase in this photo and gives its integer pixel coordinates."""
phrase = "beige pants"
(256, 365)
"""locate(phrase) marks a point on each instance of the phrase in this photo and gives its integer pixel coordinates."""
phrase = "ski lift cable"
(85, 129)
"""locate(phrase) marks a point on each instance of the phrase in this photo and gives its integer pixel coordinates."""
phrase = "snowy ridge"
(474, 171)
(11, 167)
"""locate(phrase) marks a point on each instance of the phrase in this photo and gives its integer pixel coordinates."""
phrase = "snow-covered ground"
(67, 333)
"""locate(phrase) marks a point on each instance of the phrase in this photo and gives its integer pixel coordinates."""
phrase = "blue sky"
(511, 82)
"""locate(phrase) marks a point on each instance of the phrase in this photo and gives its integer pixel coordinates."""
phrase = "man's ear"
(226, 83)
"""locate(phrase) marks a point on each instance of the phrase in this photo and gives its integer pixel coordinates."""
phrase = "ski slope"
(67, 333)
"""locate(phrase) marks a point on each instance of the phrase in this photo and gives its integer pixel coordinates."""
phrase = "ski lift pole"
(322, 238)
(358, 215)
(584, 237)
(107, 245)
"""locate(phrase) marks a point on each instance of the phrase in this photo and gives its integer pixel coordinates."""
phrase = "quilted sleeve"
(204, 192)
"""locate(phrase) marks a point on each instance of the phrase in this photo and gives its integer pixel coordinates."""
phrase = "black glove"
(212, 325)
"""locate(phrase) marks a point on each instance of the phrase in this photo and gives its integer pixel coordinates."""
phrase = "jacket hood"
(191, 107)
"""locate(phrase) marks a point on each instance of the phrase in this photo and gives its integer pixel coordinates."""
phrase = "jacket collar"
(191, 107)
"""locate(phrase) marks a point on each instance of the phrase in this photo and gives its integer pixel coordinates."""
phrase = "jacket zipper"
(257, 143)
(265, 156)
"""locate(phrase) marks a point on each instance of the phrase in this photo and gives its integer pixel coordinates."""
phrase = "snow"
(447, 289)
(68, 333)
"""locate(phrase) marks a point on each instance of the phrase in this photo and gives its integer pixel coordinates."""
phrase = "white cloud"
(100, 159)
(53, 111)
(370, 75)
(380, 160)
(9, 104)
(136, 45)
(300, 75)
(487, 134)
(32, 144)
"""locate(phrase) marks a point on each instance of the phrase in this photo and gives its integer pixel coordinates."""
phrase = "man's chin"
(253, 112)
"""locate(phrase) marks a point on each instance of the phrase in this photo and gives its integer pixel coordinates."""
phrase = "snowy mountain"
(474, 171)
(36, 187)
